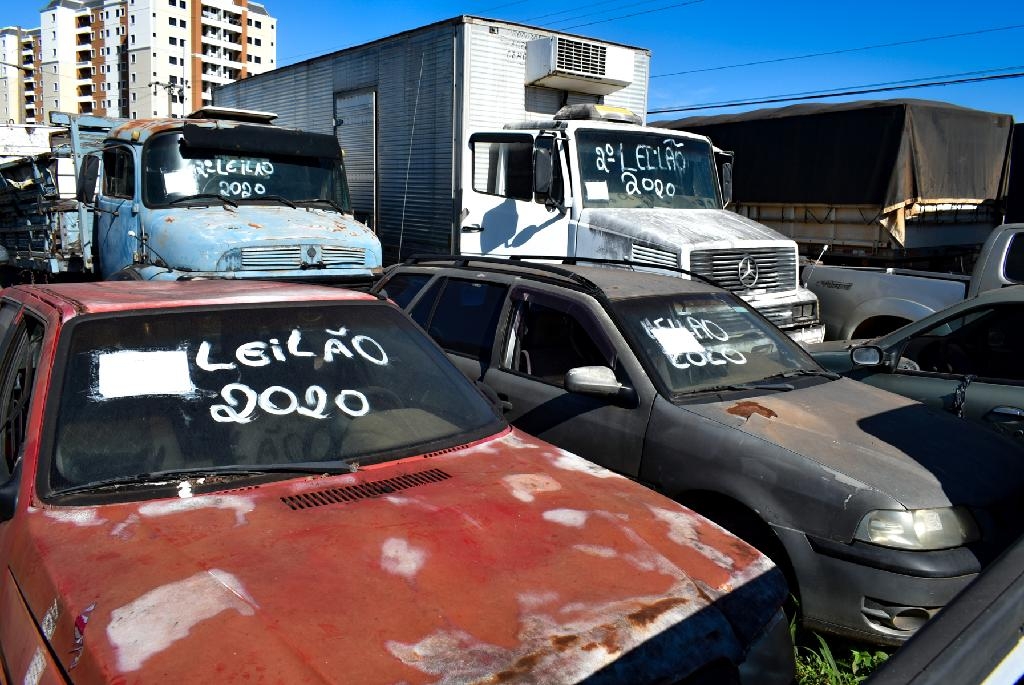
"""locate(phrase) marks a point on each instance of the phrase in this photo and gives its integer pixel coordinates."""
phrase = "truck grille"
(272, 257)
(650, 255)
(287, 257)
(776, 268)
(580, 58)
(335, 255)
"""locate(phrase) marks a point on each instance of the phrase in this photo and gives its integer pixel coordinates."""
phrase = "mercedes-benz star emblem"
(748, 272)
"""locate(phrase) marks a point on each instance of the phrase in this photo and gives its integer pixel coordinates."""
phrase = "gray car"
(879, 508)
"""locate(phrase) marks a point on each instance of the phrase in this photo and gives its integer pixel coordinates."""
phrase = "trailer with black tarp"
(911, 182)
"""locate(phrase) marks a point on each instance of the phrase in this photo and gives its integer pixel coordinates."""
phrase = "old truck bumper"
(872, 593)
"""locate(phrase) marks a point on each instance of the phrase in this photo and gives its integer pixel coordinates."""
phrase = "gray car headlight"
(918, 529)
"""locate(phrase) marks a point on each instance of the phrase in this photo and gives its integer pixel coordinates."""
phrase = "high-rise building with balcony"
(132, 58)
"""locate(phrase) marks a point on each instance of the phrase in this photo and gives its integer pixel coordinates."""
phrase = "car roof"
(616, 282)
(112, 296)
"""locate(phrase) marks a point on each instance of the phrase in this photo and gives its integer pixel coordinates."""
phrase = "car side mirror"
(87, 178)
(592, 380)
(866, 355)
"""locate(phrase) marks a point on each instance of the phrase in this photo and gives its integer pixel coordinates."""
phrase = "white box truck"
(485, 137)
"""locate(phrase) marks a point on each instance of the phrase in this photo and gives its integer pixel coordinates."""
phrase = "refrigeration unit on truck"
(220, 194)
(894, 183)
(484, 137)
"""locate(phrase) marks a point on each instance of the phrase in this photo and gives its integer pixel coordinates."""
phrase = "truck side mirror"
(87, 179)
(543, 167)
(726, 175)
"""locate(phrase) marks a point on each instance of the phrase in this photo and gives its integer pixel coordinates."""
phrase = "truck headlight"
(919, 529)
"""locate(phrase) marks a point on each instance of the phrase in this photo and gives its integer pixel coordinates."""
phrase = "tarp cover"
(876, 152)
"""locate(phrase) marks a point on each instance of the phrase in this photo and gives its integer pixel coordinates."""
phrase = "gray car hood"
(881, 441)
(679, 226)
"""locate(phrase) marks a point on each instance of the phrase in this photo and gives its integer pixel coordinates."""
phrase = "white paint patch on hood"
(161, 617)
(240, 505)
(524, 486)
(597, 551)
(567, 461)
(397, 556)
(573, 518)
(681, 530)
(79, 516)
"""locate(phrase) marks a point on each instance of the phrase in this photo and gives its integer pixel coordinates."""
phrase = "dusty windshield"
(643, 169)
(174, 173)
(703, 340)
(329, 386)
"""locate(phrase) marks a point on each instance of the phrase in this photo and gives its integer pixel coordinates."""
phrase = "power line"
(634, 14)
(571, 10)
(587, 11)
(851, 90)
(842, 51)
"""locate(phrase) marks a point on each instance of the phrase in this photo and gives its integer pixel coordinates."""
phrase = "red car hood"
(508, 561)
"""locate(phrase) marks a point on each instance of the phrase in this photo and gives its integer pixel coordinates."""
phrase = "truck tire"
(878, 325)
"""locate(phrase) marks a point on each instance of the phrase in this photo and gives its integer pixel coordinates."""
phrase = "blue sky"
(706, 34)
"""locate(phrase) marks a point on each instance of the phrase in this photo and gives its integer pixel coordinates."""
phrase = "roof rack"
(466, 260)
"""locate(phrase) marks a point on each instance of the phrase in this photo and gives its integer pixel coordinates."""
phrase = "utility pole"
(172, 90)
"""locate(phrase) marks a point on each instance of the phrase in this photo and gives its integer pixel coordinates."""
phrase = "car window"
(325, 385)
(1013, 267)
(466, 316)
(984, 342)
(16, 381)
(548, 338)
(425, 307)
(402, 287)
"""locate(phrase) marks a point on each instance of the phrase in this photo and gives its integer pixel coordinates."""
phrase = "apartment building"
(133, 58)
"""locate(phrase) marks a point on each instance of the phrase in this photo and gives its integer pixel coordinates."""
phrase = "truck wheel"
(126, 274)
(879, 325)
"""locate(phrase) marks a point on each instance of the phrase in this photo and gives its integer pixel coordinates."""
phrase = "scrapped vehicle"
(210, 481)
(881, 508)
(966, 359)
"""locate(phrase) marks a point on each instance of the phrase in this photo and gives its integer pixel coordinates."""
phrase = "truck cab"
(221, 194)
(592, 182)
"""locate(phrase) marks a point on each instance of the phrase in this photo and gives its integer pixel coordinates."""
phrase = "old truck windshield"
(699, 341)
(641, 169)
(320, 386)
(173, 172)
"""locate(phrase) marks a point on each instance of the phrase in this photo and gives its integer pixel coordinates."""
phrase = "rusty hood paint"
(874, 439)
(695, 228)
(511, 561)
(211, 232)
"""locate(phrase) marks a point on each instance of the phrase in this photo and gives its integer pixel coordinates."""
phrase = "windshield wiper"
(204, 196)
(178, 475)
(324, 200)
(277, 198)
(739, 386)
(807, 372)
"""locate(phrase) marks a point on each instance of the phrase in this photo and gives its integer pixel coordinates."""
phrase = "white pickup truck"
(866, 302)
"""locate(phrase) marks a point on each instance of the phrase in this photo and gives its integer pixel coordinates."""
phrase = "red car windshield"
(320, 385)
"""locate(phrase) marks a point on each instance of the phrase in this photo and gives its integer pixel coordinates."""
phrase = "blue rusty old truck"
(219, 194)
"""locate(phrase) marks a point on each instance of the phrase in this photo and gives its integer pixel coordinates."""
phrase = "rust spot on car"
(649, 614)
(564, 642)
(255, 225)
(169, 219)
(610, 640)
(590, 647)
(522, 666)
(748, 408)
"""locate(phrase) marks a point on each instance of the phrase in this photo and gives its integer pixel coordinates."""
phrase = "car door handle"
(472, 228)
(997, 413)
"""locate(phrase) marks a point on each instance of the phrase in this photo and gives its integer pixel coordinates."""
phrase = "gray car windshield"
(700, 341)
(643, 169)
(322, 385)
(174, 172)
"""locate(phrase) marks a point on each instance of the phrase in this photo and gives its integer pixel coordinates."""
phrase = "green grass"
(832, 661)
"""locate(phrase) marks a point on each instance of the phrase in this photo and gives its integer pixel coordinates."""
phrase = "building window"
(181, 23)
(173, 60)
(181, 4)
(55, 87)
(133, 59)
(258, 60)
(172, 40)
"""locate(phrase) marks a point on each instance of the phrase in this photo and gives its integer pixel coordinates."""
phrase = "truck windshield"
(698, 341)
(632, 169)
(300, 386)
(174, 172)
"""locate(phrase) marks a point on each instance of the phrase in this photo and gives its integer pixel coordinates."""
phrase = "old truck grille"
(272, 257)
(286, 257)
(335, 255)
(651, 255)
(776, 268)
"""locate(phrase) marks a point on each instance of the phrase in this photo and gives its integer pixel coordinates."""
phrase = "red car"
(216, 481)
